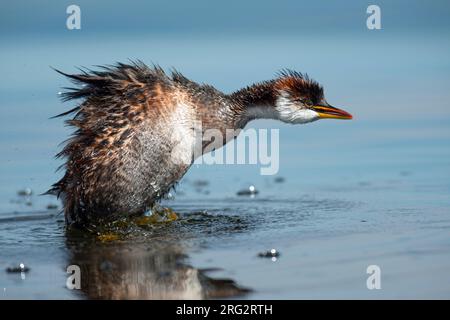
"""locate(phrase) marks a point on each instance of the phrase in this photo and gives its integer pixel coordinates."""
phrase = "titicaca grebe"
(134, 131)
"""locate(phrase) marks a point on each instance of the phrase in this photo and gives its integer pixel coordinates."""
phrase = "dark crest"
(299, 86)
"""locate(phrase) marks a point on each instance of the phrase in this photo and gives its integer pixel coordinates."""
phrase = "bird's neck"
(257, 101)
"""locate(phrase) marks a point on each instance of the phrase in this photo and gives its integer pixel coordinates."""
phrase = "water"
(372, 191)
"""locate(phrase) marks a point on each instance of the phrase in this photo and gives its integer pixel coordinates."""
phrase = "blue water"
(372, 191)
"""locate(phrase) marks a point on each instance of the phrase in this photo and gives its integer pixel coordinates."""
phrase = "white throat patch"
(290, 113)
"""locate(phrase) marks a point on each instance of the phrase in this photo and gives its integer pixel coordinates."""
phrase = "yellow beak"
(332, 113)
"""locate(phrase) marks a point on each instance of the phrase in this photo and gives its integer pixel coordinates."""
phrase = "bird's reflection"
(151, 269)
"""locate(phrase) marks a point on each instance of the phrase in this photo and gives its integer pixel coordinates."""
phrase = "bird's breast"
(182, 134)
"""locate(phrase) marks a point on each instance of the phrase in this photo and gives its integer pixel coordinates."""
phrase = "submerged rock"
(251, 191)
(25, 192)
(279, 180)
(405, 173)
(272, 253)
(18, 269)
(200, 183)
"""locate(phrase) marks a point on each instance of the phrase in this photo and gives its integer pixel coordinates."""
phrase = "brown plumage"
(134, 131)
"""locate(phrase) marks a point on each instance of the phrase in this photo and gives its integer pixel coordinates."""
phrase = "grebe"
(134, 137)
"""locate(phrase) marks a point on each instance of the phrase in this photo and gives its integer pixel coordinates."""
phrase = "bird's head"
(299, 99)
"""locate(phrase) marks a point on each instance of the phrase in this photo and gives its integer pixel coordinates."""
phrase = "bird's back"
(133, 140)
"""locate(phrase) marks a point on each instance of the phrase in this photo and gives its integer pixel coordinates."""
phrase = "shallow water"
(327, 230)
(327, 237)
(372, 191)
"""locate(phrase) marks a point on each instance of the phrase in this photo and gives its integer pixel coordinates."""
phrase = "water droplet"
(250, 191)
(25, 192)
(272, 253)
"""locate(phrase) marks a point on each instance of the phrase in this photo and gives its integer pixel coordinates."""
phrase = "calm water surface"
(373, 191)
